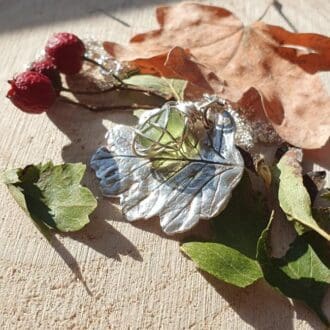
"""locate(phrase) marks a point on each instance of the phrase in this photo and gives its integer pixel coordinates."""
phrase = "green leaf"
(292, 194)
(232, 258)
(223, 262)
(300, 274)
(169, 88)
(320, 245)
(52, 195)
(19, 197)
(239, 226)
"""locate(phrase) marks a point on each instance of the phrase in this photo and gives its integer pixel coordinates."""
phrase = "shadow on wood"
(274, 310)
(15, 15)
(86, 131)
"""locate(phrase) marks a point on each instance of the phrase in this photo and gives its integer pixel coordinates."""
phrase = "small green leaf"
(52, 195)
(169, 88)
(300, 274)
(293, 196)
(232, 257)
(223, 262)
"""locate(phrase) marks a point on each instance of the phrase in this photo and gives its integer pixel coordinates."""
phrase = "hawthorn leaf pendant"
(180, 163)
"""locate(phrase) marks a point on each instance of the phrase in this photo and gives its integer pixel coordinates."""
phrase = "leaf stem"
(68, 90)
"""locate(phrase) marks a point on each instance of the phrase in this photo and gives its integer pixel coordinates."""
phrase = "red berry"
(32, 92)
(48, 69)
(67, 51)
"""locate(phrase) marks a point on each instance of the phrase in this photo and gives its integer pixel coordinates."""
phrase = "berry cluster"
(35, 90)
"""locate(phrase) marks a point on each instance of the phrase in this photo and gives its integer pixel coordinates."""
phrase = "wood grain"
(112, 275)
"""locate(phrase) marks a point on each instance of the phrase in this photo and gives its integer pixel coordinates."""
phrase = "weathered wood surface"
(132, 276)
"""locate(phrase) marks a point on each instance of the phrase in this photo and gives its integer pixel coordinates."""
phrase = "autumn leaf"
(177, 63)
(278, 64)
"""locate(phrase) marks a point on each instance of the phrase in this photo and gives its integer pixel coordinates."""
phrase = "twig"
(266, 10)
(68, 90)
(127, 87)
(107, 108)
(103, 11)
(278, 6)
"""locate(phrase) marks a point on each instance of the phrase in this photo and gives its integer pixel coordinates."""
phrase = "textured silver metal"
(180, 181)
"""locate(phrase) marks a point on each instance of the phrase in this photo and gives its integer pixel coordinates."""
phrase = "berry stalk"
(114, 88)
(107, 108)
(37, 89)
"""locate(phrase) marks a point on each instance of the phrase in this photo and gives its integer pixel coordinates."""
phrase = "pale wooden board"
(135, 278)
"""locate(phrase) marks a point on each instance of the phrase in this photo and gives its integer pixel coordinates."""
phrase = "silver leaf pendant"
(180, 163)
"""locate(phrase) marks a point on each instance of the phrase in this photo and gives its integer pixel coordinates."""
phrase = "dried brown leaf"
(278, 65)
